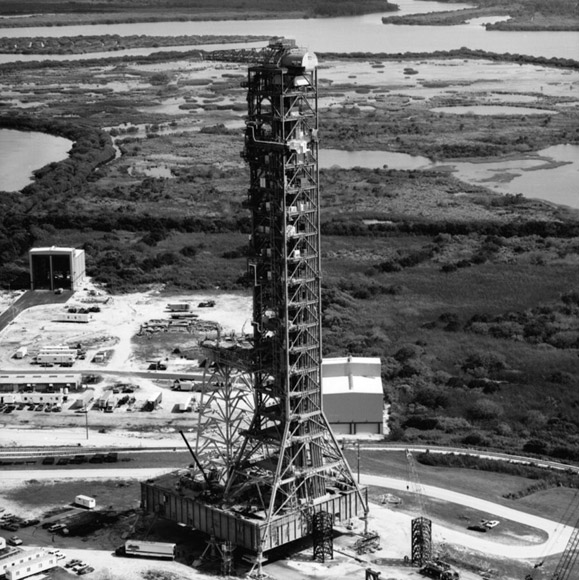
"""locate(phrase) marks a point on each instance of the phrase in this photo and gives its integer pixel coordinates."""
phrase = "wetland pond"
(551, 174)
(25, 151)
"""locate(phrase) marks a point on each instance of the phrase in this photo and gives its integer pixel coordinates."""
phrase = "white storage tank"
(85, 501)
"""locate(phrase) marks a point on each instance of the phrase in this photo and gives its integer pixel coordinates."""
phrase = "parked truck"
(144, 549)
(183, 385)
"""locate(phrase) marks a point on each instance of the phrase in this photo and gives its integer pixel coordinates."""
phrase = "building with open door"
(54, 267)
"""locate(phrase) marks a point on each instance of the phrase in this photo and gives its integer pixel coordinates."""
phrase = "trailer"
(153, 402)
(74, 317)
(144, 549)
(103, 401)
(185, 406)
(24, 564)
(63, 358)
(85, 501)
(179, 307)
(21, 352)
(111, 404)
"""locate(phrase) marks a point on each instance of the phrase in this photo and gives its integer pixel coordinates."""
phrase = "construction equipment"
(440, 570)
(369, 542)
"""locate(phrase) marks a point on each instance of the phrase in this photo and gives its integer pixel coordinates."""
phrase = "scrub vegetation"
(470, 298)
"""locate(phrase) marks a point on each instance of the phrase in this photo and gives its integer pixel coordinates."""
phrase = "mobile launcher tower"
(268, 469)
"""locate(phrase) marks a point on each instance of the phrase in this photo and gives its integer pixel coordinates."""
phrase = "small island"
(539, 15)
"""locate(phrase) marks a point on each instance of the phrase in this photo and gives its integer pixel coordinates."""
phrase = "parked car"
(56, 528)
(86, 570)
(14, 541)
(490, 524)
(73, 562)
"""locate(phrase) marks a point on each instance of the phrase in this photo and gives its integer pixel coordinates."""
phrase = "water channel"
(349, 34)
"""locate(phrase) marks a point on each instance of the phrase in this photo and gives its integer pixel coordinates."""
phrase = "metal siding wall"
(354, 407)
(225, 526)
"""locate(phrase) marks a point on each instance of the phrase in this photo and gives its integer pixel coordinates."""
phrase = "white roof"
(351, 375)
(359, 385)
(54, 250)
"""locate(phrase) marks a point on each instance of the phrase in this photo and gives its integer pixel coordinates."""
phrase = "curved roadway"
(558, 534)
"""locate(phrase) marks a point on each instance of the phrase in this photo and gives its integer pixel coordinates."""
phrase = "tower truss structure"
(286, 465)
(289, 439)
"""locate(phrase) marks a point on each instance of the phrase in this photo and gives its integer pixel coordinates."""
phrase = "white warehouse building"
(54, 267)
(353, 396)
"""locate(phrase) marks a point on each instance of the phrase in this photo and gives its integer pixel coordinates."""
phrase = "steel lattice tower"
(286, 465)
(289, 438)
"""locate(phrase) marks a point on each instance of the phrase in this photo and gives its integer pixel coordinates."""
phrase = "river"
(23, 152)
(352, 34)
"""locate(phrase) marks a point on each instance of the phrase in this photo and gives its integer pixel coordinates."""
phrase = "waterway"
(23, 152)
(350, 34)
(551, 174)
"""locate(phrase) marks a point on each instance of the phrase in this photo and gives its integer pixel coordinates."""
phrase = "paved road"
(29, 299)
(498, 456)
(154, 375)
(558, 533)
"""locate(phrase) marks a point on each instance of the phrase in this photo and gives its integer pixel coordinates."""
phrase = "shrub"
(188, 251)
(475, 438)
(535, 446)
(453, 424)
(407, 352)
(484, 410)
(490, 361)
(421, 423)
(432, 397)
